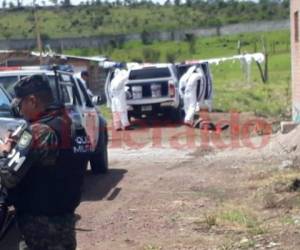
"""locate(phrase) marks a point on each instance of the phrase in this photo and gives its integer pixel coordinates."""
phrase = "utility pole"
(238, 47)
(38, 34)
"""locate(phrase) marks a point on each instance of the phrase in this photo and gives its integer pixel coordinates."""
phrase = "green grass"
(106, 18)
(105, 111)
(152, 247)
(242, 218)
(232, 91)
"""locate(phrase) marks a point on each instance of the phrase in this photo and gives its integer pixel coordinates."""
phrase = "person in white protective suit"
(191, 79)
(184, 78)
(118, 100)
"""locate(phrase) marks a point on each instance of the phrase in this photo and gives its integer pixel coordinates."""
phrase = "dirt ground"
(170, 187)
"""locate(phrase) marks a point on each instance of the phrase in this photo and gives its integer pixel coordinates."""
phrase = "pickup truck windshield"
(7, 81)
(4, 101)
(148, 73)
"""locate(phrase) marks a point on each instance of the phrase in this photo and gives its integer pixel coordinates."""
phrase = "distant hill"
(101, 18)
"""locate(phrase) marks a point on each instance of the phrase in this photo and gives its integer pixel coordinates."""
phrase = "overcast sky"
(74, 2)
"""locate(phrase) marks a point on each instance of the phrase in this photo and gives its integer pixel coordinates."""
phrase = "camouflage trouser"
(47, 233)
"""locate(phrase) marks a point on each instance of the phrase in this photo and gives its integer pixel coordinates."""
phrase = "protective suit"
(118, 99)
(184, 79)
(191, 97)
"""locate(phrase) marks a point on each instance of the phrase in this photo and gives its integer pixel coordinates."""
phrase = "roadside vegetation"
(233, 90)
(96, 18)
(265, 206)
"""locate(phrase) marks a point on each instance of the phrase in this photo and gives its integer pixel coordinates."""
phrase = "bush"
(151, 55)
(45, 37)
(136, 59)
(146, 37)
(171, 56)
(191, 39)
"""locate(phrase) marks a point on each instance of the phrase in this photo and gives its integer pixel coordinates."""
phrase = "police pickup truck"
(152, 89)
(7, 124)
(70, 92)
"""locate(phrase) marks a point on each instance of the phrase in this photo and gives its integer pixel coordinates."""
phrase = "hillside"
(100, 18)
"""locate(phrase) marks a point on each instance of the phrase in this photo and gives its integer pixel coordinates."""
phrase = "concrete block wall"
(295, 57)
(96, 42)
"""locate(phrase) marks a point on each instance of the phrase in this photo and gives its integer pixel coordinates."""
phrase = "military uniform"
(41, 232)
(45, 190)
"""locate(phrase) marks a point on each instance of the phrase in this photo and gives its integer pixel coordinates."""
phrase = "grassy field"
(98, 20)
(130, 17)
(232, 89)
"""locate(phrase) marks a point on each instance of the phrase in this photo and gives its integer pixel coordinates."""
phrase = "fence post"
(265, 50)
(255, 47)
(238, 47)
(264, 73)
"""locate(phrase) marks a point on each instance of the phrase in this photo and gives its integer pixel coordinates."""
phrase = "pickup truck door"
(109, 77)
(90, 119)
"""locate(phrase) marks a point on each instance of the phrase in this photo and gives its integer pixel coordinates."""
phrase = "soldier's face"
(29, 108)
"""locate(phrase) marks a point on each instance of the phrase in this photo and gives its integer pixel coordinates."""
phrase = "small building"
(17, 58)
(295, 57)
(97, 74)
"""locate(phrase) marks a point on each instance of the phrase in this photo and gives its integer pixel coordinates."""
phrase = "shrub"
(171, 56)
(191, 39)
(151, 55)
(146, 37)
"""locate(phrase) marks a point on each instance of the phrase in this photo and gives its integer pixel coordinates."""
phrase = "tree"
(4, 4)
(45, 38)
(189, 3)
(118, 3)
(191, 39)
(286, 3)
(19, 3)
(177, 2)
(146, 37)
(66, 3)
(98, 2)
(11, 5)
(167, 2)
(54, 2)
(128, 2)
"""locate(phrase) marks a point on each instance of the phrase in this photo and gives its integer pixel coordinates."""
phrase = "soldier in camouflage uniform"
(44, 185)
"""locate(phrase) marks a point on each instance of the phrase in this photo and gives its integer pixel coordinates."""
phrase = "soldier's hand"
(7, 145)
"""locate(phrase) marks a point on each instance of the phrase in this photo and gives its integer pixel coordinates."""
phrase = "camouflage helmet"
(31, 85)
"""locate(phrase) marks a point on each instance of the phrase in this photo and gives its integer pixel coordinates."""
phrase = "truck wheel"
(99, 160)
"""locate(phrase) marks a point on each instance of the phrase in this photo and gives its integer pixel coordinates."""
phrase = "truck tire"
(99, 159)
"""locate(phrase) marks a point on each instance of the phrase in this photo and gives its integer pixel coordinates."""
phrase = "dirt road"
(167, 192)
